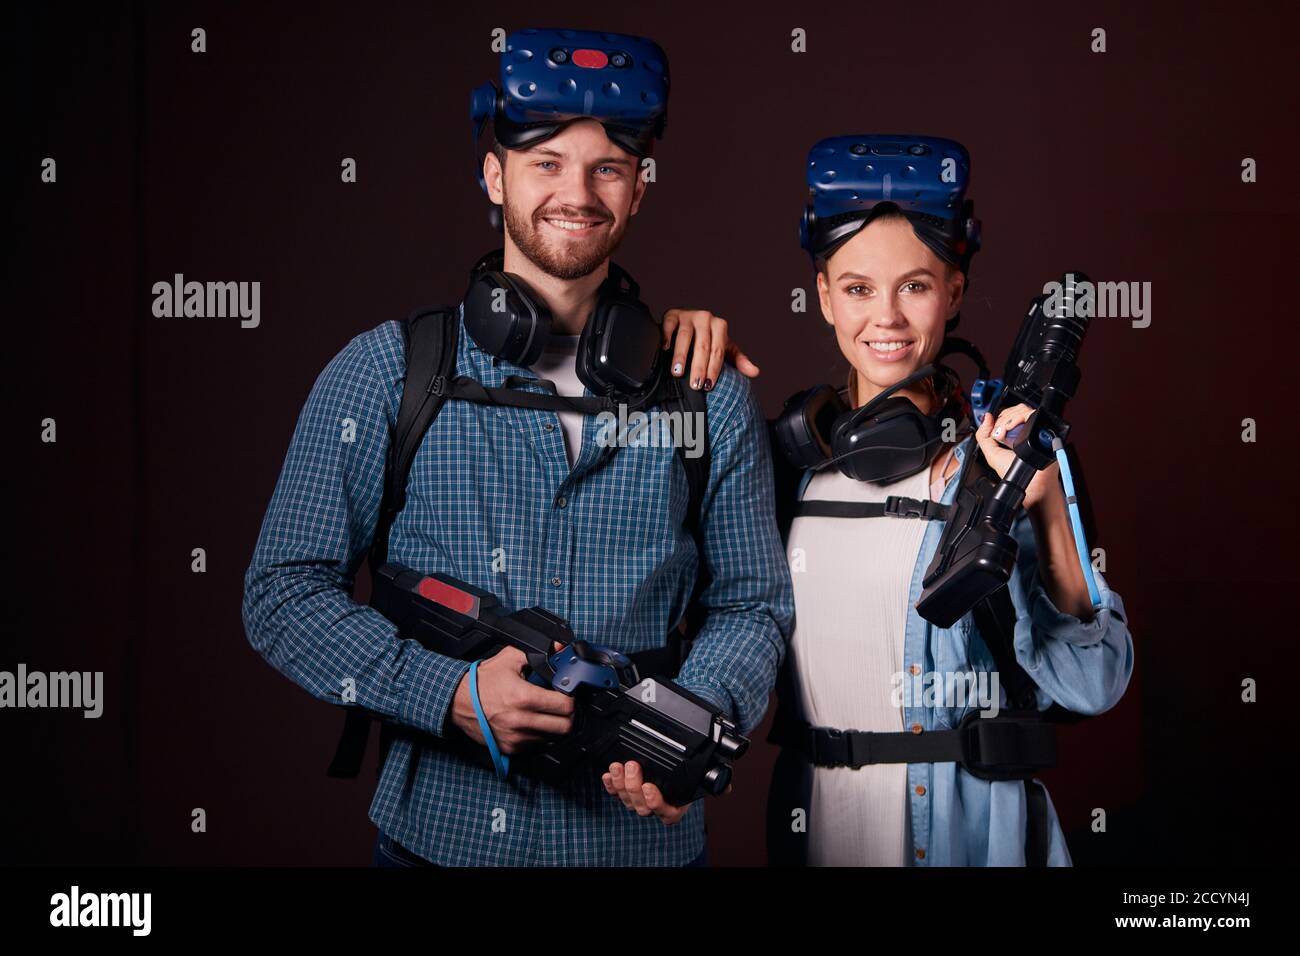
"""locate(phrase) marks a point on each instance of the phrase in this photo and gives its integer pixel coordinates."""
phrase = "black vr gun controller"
(684, 744)
(977, 552)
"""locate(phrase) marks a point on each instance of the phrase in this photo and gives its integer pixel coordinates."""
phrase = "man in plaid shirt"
(494, 501)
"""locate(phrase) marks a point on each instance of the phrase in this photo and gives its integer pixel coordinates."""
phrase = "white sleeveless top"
(851, 586)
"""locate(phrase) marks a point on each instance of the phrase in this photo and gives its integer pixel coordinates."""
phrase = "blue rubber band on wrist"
(499, 760)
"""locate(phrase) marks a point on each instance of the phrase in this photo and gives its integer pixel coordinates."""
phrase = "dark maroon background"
(225, 166)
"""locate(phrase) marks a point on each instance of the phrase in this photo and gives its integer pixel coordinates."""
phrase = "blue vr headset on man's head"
(552, 77)
(851, 179)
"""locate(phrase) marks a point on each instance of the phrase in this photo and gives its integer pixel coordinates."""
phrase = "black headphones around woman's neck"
(886, 439)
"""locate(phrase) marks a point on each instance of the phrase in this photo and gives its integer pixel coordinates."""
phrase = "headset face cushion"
(896, 440)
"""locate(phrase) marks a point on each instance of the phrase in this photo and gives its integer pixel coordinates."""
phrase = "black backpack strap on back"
(1038, 833)
(689, 401)
(680, 397)
(464, 387)
(785, 483)
(995, 617)
(429, 338)
(894, 506)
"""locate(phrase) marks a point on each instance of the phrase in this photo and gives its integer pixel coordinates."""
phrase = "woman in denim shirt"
(860, 650)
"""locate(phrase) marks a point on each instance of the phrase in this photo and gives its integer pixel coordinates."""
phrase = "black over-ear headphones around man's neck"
(619, 351)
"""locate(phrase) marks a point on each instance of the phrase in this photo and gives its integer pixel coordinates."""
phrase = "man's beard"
(557, 259)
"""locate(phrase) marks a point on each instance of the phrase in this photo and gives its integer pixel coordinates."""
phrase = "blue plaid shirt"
(492, 500)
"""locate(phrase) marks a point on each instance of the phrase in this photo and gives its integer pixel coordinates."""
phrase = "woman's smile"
(889, 350)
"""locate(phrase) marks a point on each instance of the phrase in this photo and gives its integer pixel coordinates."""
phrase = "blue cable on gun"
(1076, 522)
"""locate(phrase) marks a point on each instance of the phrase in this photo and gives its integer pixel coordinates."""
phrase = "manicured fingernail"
(708, 384)
(997, 433)
(677, 369)
(695, 383)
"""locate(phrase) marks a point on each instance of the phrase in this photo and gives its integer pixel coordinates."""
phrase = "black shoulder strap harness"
(1016, 744)
(430, 340)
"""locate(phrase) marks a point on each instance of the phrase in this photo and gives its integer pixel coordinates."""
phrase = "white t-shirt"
(557, 363)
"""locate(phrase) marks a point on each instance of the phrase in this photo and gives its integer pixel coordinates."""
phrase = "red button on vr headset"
(590, 59)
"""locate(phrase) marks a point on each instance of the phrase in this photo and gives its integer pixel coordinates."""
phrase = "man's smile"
(569, 224)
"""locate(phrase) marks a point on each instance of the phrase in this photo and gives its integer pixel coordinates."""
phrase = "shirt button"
(917, 728)
(920, 790)
(920, 854)
(556, 581)
(549, 426)
(915, 669)
(561, 501)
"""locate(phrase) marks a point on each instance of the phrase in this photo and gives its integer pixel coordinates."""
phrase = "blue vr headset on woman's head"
(851, 179)
(552, 77)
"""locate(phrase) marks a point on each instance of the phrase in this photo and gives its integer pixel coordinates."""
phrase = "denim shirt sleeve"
(1084, 667)
(298, 611)
(749, 600)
